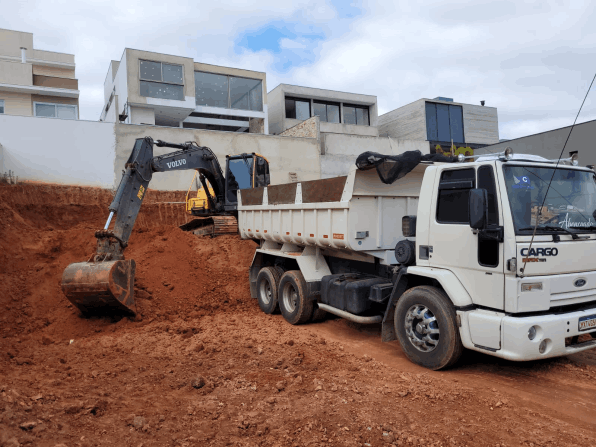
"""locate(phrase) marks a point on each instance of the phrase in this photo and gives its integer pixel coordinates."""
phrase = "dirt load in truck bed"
(201, 365)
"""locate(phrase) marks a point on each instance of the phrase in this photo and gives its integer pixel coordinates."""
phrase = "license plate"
(588, 322)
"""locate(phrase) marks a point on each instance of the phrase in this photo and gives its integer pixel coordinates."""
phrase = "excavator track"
(212, 226)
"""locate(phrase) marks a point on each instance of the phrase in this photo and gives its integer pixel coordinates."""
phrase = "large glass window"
(1, 106)
(569, 204)
(246, 94)
(62, 111)
(356, 115)
(297, 108)
(444, 122)
(229, 92)
(164, 91)
(159, 80)
(327, 112)
(211, 89)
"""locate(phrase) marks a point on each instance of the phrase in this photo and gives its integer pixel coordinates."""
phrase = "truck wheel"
(294, 304)
(267, 289)
(425, 324)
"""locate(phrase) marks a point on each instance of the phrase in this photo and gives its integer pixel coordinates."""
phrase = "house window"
(297, 108)
(62, 111)
(1, 106)
(230, 92)
(159, 80)
(356, 115)
(444, 122)
(246, 94)
(328, 112)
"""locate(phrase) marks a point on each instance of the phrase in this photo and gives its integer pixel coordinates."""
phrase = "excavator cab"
(244, 171)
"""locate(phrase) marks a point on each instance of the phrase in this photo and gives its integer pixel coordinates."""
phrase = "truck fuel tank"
(349, 291)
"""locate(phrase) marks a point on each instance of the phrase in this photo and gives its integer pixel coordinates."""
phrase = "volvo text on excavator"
(105, 283)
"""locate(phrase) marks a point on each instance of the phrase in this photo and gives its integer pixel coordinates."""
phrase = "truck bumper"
(514, 343)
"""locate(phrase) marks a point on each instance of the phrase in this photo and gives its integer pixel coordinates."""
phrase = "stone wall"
(306, 129)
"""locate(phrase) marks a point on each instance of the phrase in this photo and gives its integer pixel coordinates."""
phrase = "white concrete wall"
(58, 151)
(139, 115)
(285, 154)
(341, 151)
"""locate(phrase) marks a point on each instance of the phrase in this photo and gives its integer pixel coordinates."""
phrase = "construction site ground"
(202, 365)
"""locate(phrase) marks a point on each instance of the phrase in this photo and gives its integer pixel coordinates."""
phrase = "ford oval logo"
(579, 282)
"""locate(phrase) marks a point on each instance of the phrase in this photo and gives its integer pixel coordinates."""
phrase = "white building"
(174, 91)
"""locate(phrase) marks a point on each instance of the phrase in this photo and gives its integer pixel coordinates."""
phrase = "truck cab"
(528, 269)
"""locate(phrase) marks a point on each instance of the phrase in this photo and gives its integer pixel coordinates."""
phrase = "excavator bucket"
(103, 288)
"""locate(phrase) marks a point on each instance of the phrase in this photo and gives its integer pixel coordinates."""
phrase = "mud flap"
(102, 288)
(388, 327)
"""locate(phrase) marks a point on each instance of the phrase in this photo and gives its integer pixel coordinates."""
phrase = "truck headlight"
(531, 286)
(532, 333)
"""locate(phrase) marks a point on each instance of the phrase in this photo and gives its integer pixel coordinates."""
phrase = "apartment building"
(443, 123)
(174, 91)
(36, 82)
(339, 112)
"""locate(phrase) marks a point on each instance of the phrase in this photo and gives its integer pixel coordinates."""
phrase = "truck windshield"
(569, 204)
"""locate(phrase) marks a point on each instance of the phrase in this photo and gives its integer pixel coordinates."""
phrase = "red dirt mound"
(201, 365)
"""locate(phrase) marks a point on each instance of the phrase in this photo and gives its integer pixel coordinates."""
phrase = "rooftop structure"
(441, 122)
(339, 112)
(36, 82)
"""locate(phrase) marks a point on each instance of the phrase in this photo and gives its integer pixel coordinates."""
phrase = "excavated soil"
(201, 365)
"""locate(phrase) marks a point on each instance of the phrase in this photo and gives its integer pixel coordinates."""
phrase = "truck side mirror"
(478, 209)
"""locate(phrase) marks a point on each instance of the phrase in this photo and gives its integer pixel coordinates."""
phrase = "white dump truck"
(488, 254)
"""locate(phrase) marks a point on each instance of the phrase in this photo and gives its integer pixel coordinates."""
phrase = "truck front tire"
(267, 289)
(294, 303)
(426, 327)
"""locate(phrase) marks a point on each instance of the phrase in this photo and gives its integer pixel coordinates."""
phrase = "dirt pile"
(201, 365)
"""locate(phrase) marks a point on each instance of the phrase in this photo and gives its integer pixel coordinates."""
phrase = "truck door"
(478, 264)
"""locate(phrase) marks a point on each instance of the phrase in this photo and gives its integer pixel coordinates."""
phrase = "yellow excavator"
(104, 284)
(198, 205)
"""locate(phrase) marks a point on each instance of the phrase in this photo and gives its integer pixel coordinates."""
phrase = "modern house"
(442, 122)
(339, 112)
(36, 82)
(174, 91)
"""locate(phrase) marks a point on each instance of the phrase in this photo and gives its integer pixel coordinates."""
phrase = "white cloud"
(531, 60)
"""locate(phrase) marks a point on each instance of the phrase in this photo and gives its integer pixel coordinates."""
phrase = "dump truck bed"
(355, 213)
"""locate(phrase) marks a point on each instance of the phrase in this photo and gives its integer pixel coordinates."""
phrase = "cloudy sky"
(532, 60)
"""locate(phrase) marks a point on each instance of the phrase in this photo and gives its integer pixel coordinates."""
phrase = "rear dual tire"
(294, 303)
(267, 289)
(286, 292)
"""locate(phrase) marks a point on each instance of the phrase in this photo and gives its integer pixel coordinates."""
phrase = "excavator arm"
(104, 284)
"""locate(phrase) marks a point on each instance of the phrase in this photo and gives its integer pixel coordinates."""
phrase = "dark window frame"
(444, 190)
(293, 98)
(355, 106)
(432, 121)
(329, 103)
(489, 250)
